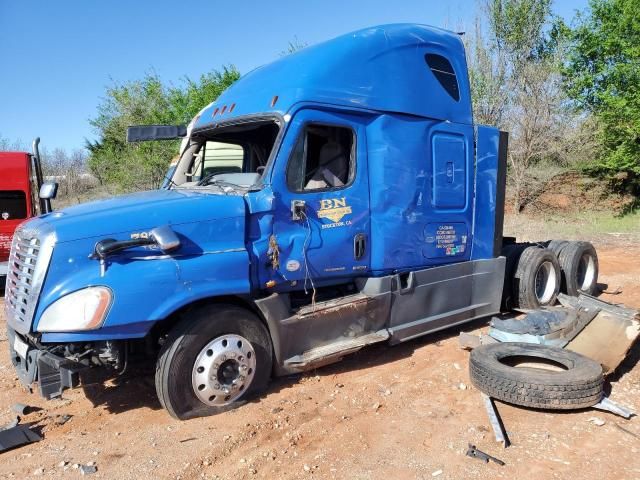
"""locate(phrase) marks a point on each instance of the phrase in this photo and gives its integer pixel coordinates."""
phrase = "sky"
(58, 57)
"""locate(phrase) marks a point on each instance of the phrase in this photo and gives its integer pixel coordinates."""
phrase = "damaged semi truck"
(338, 197)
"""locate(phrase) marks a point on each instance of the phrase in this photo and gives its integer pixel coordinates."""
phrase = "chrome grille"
(28, 262)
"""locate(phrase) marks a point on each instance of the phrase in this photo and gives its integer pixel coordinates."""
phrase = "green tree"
(146, 101)
(603, 76)
(516, 85)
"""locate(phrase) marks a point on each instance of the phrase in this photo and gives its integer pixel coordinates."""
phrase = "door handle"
(359, 246)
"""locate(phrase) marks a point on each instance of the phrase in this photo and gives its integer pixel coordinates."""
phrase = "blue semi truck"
(338, 197)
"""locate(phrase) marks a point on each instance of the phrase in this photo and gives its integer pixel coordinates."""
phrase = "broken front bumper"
(52, 373)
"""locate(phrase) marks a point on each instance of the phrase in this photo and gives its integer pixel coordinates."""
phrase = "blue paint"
(486, 192)
(378, 68)
(421, 193)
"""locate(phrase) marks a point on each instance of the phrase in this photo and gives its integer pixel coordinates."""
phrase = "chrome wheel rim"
(223, 370)
(545, 282)
(586, 272)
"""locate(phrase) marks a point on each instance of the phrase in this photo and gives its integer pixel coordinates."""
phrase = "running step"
(338, 348)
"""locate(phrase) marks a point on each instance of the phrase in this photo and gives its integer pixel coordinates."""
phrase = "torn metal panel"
(336, 350)
(551, 326)
(609, 336)
(17, 436)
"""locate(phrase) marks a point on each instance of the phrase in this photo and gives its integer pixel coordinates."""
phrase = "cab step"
(336, 350)
(354, 301)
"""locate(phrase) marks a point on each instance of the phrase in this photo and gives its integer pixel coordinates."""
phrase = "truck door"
(321, 221)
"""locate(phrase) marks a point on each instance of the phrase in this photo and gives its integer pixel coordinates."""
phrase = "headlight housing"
(84, 309)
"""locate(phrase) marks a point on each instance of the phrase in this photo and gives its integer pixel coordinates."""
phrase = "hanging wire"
(307, 275)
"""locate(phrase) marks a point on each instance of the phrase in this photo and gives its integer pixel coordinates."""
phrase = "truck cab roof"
(402, 68)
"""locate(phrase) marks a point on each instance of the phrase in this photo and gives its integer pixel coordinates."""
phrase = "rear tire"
(512, 254)
(579, 265)
(536, 281)
(212, 361)
(556, 246)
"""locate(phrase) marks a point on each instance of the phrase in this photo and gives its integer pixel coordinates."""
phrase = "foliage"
(7, 145)
(147, 101)
(602, 74)
(294, 46)
(516, 85)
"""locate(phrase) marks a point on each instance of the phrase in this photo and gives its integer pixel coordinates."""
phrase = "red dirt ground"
(406, 412)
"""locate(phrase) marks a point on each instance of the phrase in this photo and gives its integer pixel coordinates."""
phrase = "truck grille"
(25, 274)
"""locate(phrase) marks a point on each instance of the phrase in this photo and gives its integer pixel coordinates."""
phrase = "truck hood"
(142, 212)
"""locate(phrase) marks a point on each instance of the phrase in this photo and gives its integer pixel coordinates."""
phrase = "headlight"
(85, 309)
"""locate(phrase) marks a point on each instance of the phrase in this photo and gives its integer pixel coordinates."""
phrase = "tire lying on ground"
(536, 376)
(579, 265)
(536, 281)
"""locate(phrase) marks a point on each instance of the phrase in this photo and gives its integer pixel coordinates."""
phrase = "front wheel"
(217, 356)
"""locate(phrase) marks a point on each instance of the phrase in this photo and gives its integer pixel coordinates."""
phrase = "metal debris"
(62, 419)
(473, 452)
(15, 435)
(88, 469)
(610, 406)
(496, 422)
(21, 408)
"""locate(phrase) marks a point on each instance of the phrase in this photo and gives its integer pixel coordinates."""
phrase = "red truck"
(22, 196)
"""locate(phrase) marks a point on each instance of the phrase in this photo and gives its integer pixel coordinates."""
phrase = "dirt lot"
(384, 413)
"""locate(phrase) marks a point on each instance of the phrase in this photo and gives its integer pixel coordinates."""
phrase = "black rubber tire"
(512, 254)
(572, 267)
(524, 278)
(580, 386)
(556, 246)
(177, 356)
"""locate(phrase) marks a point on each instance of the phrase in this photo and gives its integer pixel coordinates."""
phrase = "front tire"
(217, 357)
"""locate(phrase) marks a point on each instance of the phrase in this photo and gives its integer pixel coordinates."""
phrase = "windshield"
(232, 156)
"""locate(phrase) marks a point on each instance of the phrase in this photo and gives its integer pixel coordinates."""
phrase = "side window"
(444, 73)
(323, 158)
(222, 158)
(13, 205)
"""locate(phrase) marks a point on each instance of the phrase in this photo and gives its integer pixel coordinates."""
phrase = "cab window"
(322, 159)
(13, 205)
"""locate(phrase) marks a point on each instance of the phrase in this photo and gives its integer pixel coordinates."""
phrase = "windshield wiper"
(218, 183)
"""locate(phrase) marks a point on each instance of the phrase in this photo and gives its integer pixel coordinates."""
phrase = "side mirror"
(165, 238)
(48, 190)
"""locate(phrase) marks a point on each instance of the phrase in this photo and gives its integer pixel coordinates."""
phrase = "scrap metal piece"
(495, 420)
(609, 336)
(21, 408)
(88, 469)
(468, 341)
(13, 423)
(473, 452)
(609, 406)
(551, 326)
(17, 436)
